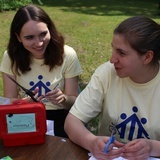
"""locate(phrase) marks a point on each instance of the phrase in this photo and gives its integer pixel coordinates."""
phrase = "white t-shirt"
(136, 107)
(40, 76)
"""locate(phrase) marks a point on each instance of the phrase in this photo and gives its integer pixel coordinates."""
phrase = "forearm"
(77, 132)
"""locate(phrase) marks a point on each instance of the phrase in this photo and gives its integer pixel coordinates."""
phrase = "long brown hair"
(20, 57)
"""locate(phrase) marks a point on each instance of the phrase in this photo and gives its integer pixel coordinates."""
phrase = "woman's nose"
(38, 42)
(113, 58)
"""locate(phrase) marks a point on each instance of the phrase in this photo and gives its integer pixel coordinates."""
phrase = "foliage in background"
(12, 4)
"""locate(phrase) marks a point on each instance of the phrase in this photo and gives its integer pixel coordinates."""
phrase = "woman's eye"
(122, 53)
(43, 34)
(29, 37)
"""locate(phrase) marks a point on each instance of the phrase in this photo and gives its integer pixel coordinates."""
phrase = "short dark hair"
(142, 33)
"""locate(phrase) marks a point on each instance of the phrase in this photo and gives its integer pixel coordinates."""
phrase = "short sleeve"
(90, 102)
(72, 64)
(6, 64)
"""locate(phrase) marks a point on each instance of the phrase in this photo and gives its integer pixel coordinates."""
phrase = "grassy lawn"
(87, 26)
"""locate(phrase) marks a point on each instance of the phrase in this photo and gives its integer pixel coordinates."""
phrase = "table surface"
(54, 148)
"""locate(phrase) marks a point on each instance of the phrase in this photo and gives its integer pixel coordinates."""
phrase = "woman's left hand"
(55, 96)
(137, 149)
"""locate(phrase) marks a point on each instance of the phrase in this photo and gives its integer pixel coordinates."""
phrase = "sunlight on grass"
(85, 27)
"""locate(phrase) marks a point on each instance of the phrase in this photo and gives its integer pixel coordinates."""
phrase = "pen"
(56, 86)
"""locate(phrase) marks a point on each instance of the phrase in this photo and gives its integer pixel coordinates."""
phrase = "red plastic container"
(22, 124)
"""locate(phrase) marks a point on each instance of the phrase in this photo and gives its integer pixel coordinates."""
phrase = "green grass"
(87, 26)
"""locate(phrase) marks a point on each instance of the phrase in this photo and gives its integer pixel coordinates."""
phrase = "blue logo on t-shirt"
(40, 85)
(134, 122)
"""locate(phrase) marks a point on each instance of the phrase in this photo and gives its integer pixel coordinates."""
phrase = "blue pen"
(111, 140)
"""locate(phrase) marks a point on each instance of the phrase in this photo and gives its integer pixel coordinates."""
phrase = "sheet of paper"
(120, 158)
(50, 127)
(4, 100)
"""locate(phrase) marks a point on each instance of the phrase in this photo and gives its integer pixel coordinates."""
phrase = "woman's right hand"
(97, 148)
(29, 99)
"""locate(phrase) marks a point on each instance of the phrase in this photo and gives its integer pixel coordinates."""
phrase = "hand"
(97, 149)
(35, 93)
(55, 96)
(137, 149)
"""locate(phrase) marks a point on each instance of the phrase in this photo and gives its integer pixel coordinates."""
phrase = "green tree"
(12, 4)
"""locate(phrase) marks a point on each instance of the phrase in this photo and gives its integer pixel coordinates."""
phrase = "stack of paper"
(50, 127)
(120, 158)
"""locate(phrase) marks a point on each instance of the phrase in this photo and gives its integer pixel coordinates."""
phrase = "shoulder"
(69, 51)
(105, 73)
(71, 64)
(5, 65)
(5, 56)
(70, 54)
(105, 67)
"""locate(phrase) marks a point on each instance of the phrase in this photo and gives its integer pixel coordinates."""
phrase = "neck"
(146, 75)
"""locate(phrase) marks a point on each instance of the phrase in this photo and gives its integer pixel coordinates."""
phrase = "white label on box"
(18, 123)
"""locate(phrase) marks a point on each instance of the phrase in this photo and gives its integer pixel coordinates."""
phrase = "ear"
(18, 37)
(148, 57)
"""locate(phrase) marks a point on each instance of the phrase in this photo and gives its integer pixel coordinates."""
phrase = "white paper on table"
(4, 100)
(50, 127)
(120, 158)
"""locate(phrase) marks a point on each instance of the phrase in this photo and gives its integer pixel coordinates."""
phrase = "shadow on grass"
(105, 7)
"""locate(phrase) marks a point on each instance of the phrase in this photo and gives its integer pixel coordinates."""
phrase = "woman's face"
(127, 62)
(35, 37)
